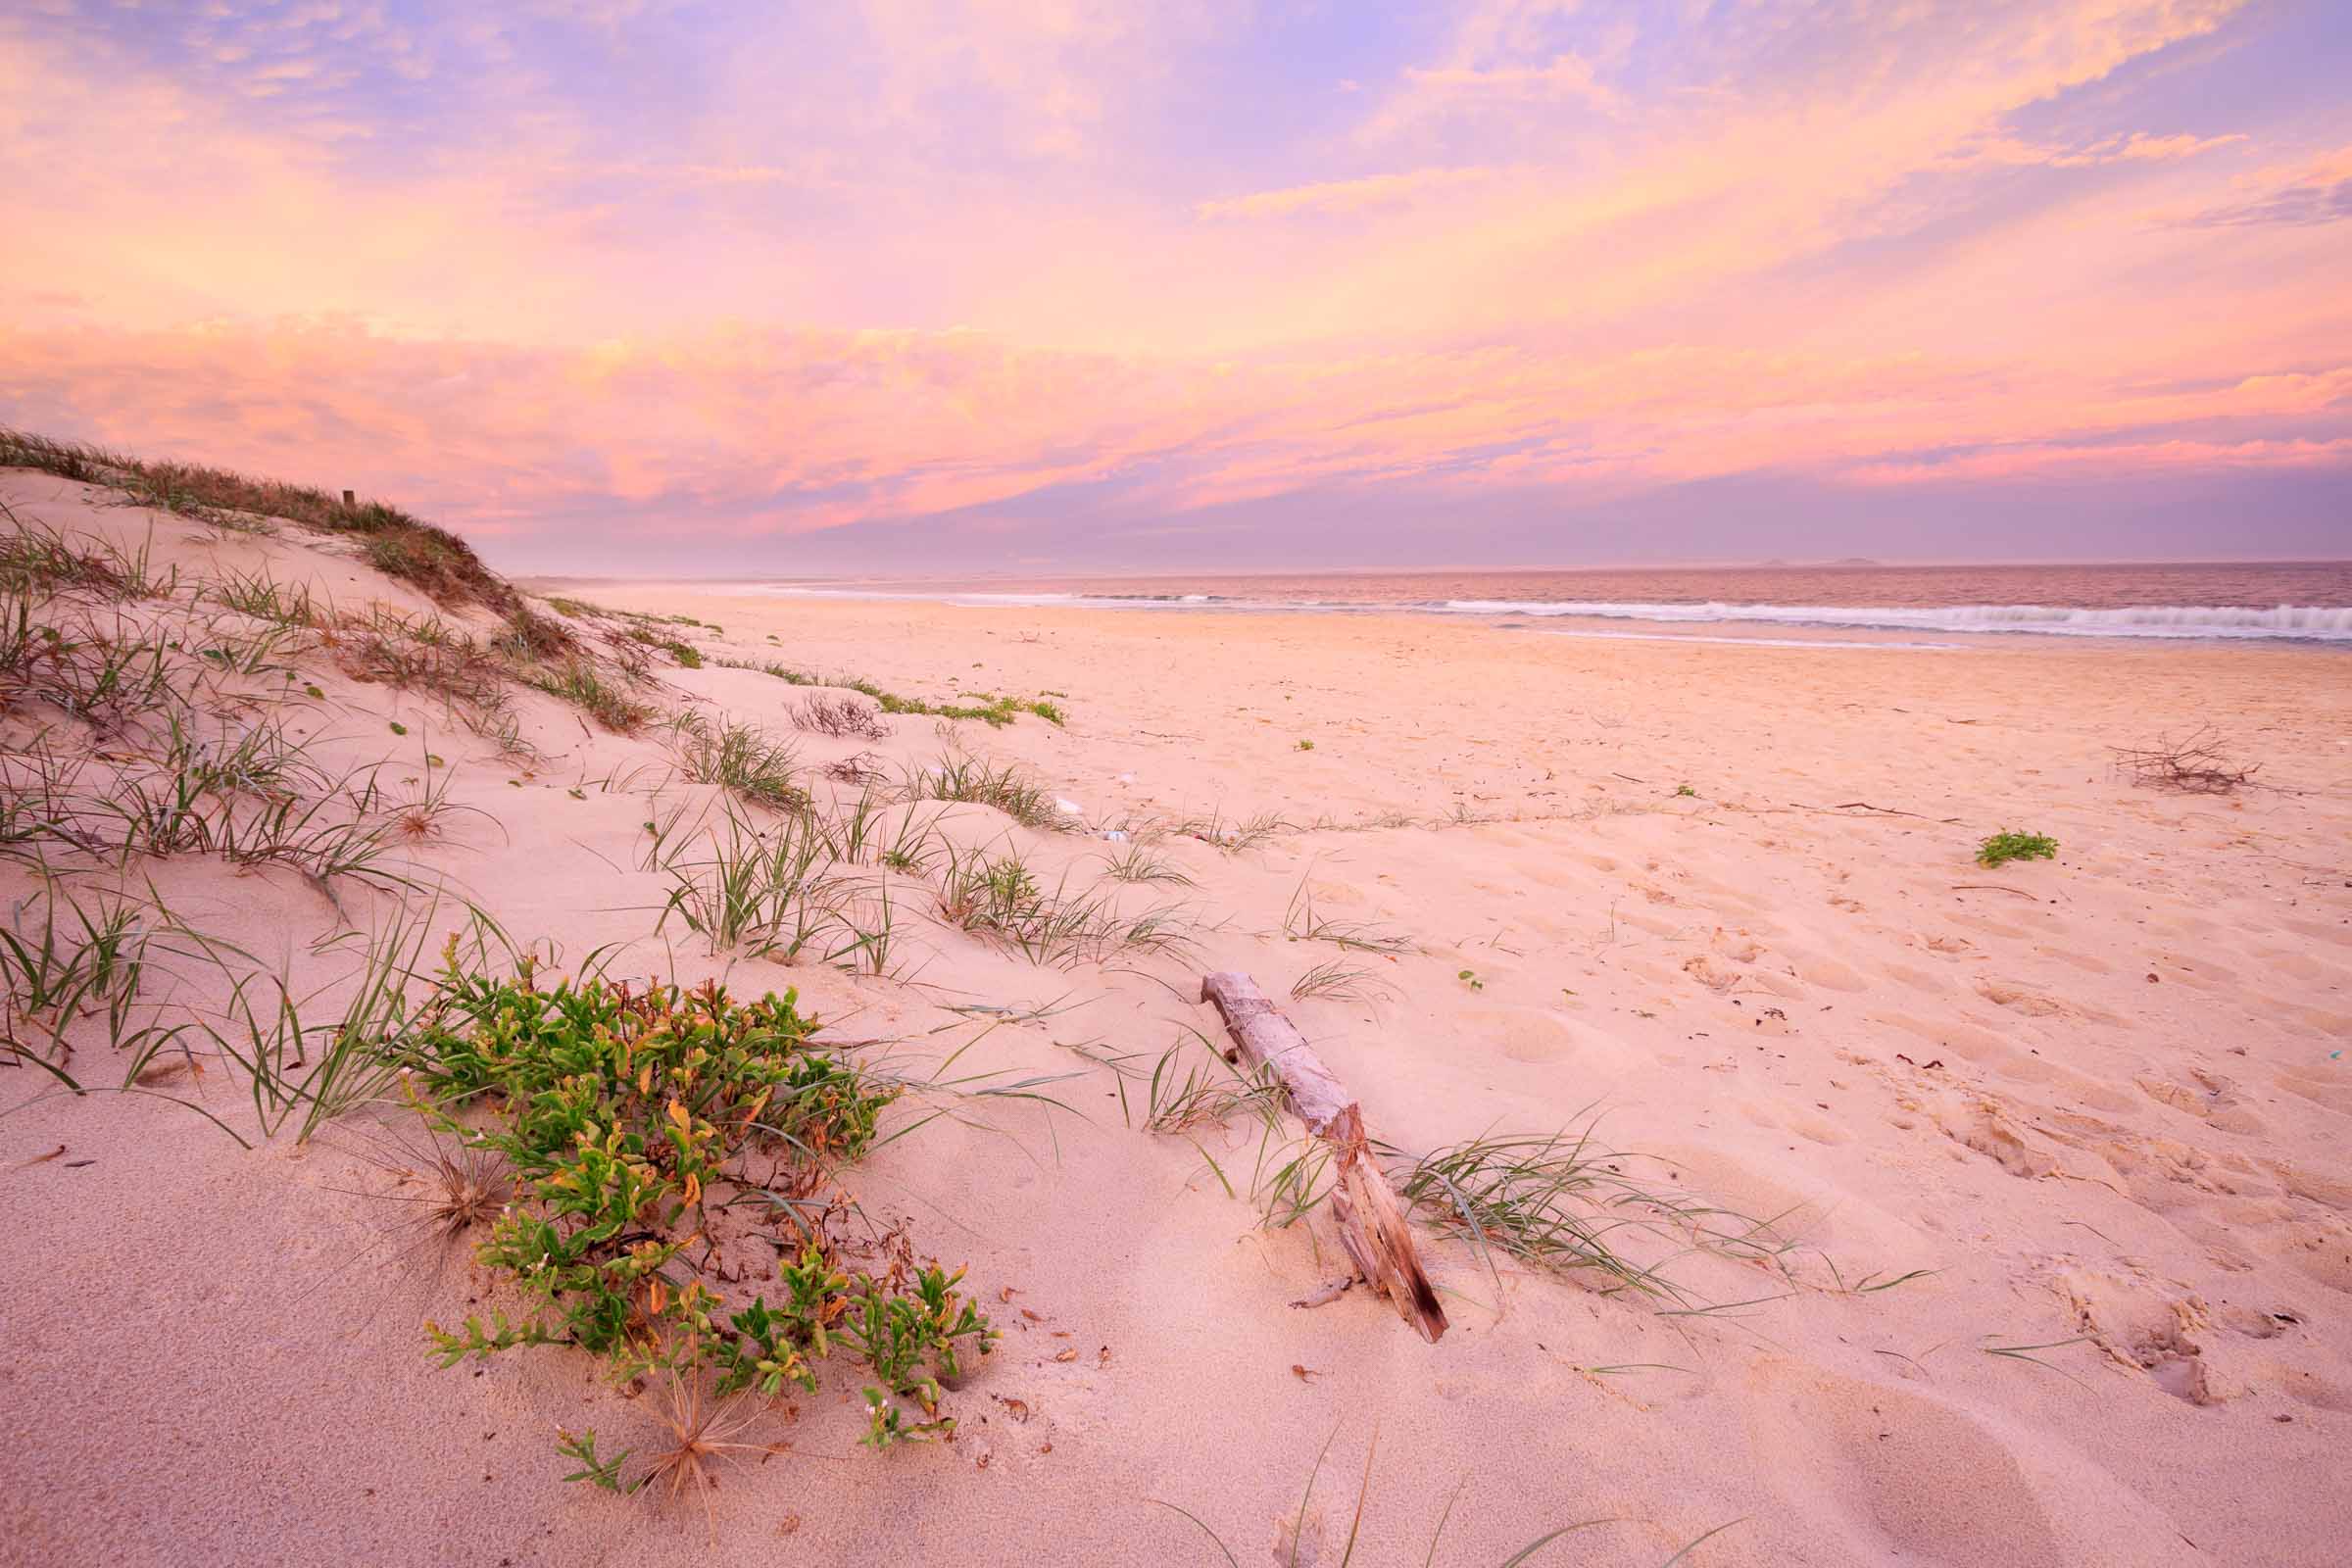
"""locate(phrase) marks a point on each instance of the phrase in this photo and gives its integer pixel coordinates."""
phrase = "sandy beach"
(2038, 1170)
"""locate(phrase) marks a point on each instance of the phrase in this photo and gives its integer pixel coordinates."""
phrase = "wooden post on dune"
(350, 500)
(1370, 1219)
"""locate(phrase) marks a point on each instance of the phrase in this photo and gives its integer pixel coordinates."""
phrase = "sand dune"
(2086, 1115)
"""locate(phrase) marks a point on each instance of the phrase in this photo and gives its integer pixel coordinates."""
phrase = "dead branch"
(840, 717)
(2195, 765)
(1370, 1220)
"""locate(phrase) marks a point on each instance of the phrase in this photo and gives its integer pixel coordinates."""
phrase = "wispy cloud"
(1345, 195)
(1117, 266)
(2318, 194)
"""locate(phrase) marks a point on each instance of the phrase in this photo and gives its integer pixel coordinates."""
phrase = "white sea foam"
(2299, 622)
(2306, 624)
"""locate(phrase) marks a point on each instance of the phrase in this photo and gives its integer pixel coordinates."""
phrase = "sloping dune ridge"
(1959, 1215)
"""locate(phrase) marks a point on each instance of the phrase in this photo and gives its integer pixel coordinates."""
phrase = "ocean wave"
(2308, 623)
(2298, 623)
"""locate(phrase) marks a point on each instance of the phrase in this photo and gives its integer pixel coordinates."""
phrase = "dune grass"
(755, 766)
(1292, 1547)
(417, 552)
(957, 775)
(996, 711)
(1337, 980)
(999, 897)
(596, 692)
(1301, 922)
(1566, 1203)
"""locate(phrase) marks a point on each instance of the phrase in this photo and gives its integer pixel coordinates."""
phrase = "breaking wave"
(2299, 622)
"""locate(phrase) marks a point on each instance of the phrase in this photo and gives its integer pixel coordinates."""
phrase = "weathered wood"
(1370, 1220)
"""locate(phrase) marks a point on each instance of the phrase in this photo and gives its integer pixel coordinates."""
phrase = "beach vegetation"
(428, 557)
(598, 693)
(1233, 835)
(741, 758)
(1339, 980)
(641, 1124)
(1302, 923)
(1567, 1203)
(958, 775)
(2006, 846)
(843, 717)
(996, 711)
(1000, 898)
(2198, 763)
(1294, 1531)
(1136, 863)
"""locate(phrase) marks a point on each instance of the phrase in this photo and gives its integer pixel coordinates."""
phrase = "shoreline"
(2280, 626)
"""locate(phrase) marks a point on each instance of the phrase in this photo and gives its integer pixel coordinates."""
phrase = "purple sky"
(1039, 286)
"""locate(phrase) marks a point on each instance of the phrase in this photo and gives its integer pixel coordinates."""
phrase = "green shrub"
(2004, 847)
(631, 1121)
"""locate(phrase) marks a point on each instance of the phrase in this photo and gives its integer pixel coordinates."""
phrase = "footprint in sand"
(2141, 1324)
(1886, 1475)
(1980, 1046)
(1903, 974)
(2208, 1097)
(1828, 973)
(2041, 1003)
(2329, 1088)
(1538, 1035)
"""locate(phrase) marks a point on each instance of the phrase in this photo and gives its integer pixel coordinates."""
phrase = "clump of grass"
(776, 893)
(34, 554)
(1000, 898)
(1206, 1095)
(2003, 846)
(432, 558)
(446, 1190)
(62, 959)
(1300, 922)
(1564, 1201)
(1337, 980)
(843, 717)
(783, 673)
(1291, 1550)
(305, 1070)
(532, 636)
(959, 776)
(426, 653)
(742, 758)
(116, 677)
(263, 597)
(686, 655)
(632, 1120)
(1137, 864)
(996, 711)
(595, 692)
(1234, 835)
(876, 830)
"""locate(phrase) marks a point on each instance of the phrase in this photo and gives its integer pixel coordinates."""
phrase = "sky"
(1035, 286)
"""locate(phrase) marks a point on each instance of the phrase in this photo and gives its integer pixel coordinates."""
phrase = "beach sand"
(1720, 897)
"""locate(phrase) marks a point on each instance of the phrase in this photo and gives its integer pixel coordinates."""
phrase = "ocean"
(2279, 602)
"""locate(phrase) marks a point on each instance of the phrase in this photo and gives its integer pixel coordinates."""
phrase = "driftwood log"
(1370, 1220)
